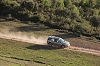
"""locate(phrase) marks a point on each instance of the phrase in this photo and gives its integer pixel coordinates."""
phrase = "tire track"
(86, 50)
(43, 42)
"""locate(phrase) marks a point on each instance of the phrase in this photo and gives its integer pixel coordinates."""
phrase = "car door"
(59, 42)
(56, 41)
(52, 41)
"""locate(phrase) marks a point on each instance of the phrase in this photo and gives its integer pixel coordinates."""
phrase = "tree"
(62, 12)
(95, 21)
(83, 2)
(96, 12)
(75, 10)
(47, 3)
(54, 2)
(6, 6)
(98, 4)
(28, 4)
(92, 3)
(67, 3)
(60, 4)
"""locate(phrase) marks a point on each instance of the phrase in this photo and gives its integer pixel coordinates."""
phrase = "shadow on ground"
(42, 47)
(7, 19)
(31, 28)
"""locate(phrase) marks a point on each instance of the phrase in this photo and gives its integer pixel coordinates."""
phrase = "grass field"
(26, 54)
(14, 53)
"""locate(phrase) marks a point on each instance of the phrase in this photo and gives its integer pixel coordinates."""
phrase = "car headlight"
(67, 43)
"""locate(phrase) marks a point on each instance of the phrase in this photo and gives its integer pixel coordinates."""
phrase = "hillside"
(79, 16)
(23, 43)
(26, 24)
(38, 33)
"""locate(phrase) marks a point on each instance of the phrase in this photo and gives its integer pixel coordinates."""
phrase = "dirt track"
(91, 51)
(42, 41)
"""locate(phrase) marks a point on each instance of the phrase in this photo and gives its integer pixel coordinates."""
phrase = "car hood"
(67, 43)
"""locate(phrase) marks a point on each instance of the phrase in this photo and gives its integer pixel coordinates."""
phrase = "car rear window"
(49, 38)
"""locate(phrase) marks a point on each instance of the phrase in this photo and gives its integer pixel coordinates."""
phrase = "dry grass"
(37, 29)
(40, 55)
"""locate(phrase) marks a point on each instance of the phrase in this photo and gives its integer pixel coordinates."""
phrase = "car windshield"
(61, 41)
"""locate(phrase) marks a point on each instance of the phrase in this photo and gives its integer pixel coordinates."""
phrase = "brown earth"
(42, 40)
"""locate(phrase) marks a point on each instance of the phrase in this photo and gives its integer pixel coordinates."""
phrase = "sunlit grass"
(45, 55)
(40, 55)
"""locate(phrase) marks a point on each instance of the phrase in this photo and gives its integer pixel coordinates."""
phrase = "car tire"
(62, 46)
(50, 44)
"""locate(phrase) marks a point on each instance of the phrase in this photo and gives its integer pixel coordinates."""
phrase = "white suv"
(57, 41)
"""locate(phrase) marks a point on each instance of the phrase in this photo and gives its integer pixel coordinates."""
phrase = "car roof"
(54, 37)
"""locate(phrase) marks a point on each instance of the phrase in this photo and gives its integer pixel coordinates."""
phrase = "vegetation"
(40, 55)
(79, 16)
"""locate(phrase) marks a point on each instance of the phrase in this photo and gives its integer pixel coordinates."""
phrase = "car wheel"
(62, 46)
(50, 44)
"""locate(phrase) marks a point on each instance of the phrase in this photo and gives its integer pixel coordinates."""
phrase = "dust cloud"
(19, 36)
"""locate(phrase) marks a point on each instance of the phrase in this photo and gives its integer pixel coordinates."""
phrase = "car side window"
(59, 41)
(56, 40)
(52, 39)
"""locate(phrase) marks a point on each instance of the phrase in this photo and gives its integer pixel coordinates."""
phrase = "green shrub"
(95, 21)
(24, 14)
(81, 16)
(62, 12)
(67, 3)
(44, 17)
(35, 18)
(47, 3)
(75, 10)
(98, 4)
(7, 6)
(96, 12)
(60, 4)
(29, 4)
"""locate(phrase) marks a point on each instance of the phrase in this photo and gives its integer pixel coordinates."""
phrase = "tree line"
(79, 16)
